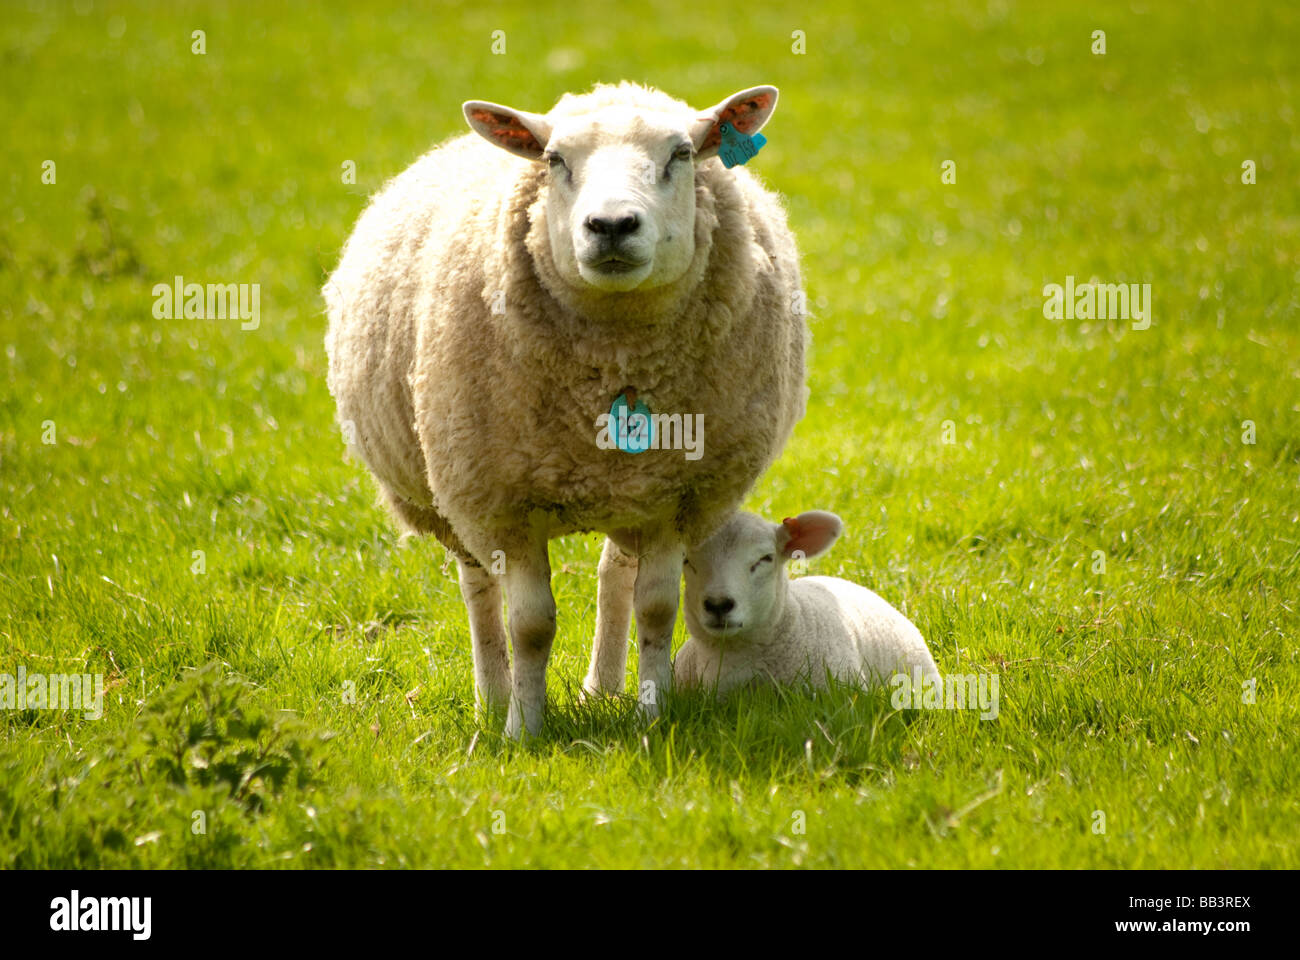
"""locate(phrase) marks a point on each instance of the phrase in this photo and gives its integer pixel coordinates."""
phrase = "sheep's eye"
(557, 165)
(686, 563)
(760, 562)
(681, 153)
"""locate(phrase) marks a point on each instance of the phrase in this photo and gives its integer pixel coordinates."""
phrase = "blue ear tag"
(738, 148)
(630, 425)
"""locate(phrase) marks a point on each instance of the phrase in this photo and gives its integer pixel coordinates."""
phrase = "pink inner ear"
(810, 538)
(744, 114)
(792, 527)
(741, 114)
(507, 130)
(714, 138)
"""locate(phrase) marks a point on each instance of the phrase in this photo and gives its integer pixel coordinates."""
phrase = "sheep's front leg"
(658, 588)
(481, 592)
(531, 611)
(616, 581)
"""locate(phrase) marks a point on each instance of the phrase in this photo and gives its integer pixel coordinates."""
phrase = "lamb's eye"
(686, 563)
(760, 561)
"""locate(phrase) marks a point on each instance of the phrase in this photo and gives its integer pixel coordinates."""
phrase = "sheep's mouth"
(722, 624)
(616, 265)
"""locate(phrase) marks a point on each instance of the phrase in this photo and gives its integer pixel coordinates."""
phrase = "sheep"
(749, 622)
(509, 299)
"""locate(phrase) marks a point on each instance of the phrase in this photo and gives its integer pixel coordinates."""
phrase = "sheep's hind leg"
(481, 591)
(616, 580)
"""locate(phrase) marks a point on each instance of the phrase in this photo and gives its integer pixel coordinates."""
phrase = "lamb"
(516, 286)
(750, 623)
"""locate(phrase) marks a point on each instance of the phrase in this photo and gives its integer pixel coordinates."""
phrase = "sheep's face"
(620, 187)
(736, 579)
(620, 199)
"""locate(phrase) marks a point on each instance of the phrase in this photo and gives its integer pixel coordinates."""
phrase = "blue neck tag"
(630, 424)
(738, 148)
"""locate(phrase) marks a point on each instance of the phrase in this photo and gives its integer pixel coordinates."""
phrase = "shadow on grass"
(763, 733)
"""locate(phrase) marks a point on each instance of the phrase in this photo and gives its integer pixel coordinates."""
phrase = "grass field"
(176, 512)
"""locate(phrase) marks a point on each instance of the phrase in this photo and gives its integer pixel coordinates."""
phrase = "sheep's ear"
(523, 134)
(747, 111)
(810, 533)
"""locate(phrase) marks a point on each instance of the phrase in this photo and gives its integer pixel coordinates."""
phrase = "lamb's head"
(736, 581)
(620, 194)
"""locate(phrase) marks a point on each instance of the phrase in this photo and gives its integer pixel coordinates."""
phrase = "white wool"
(475, 336)
(749, 622)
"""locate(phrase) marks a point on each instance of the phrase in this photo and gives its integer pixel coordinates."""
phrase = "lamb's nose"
(616, 225)
(719, 606)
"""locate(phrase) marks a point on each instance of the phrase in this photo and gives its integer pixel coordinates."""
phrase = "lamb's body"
(750, 622)
(829, 627)
(470, 370)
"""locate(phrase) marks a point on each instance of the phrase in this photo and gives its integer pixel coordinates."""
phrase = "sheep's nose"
(615, 225)
(719, 606)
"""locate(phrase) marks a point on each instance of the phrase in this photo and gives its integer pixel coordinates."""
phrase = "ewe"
(749, 621)
(498, 300)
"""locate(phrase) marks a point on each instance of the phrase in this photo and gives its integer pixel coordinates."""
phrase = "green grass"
(1121, 692)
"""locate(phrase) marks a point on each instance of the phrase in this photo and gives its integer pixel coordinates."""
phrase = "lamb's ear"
(747, 111)
(811, 533)
(523, 134)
